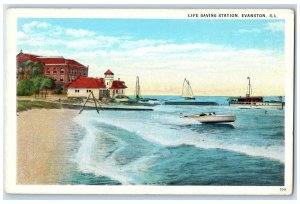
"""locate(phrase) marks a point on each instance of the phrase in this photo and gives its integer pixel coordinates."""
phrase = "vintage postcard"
(149, 101)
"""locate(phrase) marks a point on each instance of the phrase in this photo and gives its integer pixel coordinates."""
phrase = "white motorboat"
(211, 117)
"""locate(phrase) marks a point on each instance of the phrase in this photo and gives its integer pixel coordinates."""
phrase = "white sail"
(137, 89)
(187, 91)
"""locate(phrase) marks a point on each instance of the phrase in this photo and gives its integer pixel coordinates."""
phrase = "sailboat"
(137, 89)
(187, 92)
(138, 96)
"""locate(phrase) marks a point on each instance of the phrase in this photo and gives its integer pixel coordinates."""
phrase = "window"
(77, 90)
(62, 71)
(48, 71)
(61, 78)
(54, 71)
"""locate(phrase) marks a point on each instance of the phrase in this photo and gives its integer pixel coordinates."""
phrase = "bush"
(25, 87)
(58, 90)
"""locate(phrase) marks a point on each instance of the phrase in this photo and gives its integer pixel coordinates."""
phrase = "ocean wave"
(112, 140)
(166, 130)
(105, 161)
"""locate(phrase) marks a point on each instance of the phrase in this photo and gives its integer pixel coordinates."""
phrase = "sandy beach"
(40, 145)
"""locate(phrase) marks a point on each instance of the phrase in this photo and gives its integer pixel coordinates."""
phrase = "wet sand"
(40, 146)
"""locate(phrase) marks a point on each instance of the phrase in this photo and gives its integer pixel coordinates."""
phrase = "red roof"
(118, 85)
(73, 62)
(52, 60)
(23, 57)
(108, 72)
(87, 82)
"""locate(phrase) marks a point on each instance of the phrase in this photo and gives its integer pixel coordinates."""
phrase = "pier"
(191, 103)
(107, 108)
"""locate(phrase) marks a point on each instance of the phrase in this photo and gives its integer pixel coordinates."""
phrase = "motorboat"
(211, 117)
(254, 102)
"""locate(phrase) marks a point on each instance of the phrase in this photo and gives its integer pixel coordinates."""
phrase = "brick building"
(61, 70)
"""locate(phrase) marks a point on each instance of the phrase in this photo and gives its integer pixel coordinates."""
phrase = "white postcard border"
(10, 105)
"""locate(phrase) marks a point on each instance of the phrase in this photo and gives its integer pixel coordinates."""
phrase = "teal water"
(160, 148)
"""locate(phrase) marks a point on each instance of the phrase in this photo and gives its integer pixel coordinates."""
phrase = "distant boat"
(121, 99)
(138, 96)
(137, 89)
(211, 117)
(256, 102)
(187, 92)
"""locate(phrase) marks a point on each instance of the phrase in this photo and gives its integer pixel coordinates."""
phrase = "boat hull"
(189, 98)
(257, 105)
(213, 118)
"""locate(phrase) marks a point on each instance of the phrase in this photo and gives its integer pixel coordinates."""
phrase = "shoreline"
(40, 147)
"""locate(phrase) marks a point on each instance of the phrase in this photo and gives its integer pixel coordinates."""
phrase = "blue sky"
(221, 50)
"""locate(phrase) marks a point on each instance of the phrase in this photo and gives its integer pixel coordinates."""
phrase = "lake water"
(161, 148)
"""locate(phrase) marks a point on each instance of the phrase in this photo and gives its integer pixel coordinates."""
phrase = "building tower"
(108, 78)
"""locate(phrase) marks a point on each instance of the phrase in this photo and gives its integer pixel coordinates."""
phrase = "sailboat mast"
(137, 88)
(183, 87)
(248, 94)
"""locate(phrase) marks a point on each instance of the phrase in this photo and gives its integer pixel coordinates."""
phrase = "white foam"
(158, 128)
(105, 166)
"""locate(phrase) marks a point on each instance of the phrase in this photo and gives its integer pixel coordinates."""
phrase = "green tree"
(20, 74)
(35, 69)
(26, 66)
(37, 84)
(47, 83)
(25, 87)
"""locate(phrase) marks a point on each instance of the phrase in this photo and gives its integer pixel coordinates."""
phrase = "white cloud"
(43, 52)
(82, 44)
(21, 35)
(79, 33)
(34, 26)
(276, 26)
(133, 44)
(35, 34)
(160, 59)
(57, 31)
(272, 26)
